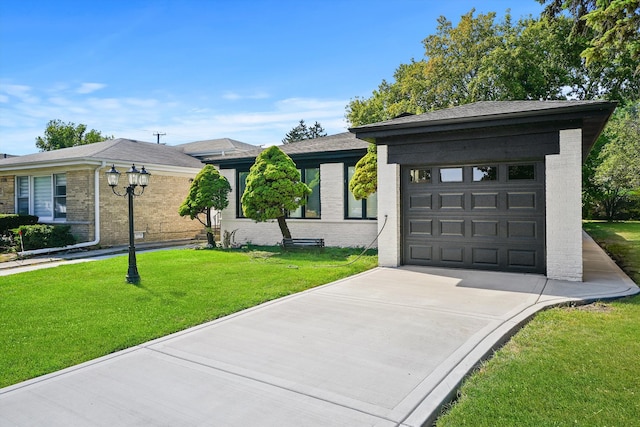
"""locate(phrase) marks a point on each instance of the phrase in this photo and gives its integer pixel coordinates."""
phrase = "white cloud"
(234, 96)
(90, 87)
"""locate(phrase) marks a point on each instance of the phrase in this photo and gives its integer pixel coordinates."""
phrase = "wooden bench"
(302, 243)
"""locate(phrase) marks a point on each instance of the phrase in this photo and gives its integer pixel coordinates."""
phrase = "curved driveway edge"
(383, 348)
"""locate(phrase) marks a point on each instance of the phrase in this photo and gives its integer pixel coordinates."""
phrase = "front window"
(311, 209)
(42, 196)
(242, 184)
(360, 209)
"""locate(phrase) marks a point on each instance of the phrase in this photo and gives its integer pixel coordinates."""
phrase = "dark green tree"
(273, 188)
(63, 135)
(302, 132)
(611, 173)
(209, 190)
(364, 181)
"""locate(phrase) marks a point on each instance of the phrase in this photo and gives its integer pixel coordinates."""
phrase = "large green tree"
(209, 190)
(613, 28)
(302, 132)
(59, 134)
(273, 188)
(483, 59)
(611, 176)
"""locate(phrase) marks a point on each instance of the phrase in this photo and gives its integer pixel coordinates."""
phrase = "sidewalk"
(383, 348)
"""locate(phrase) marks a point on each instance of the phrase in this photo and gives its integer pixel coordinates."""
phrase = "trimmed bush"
(11, 221)
(41, 236)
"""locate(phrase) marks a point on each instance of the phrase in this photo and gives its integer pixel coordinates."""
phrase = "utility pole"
(158, 134)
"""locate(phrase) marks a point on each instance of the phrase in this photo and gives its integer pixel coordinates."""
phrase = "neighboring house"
(489, 185)
(213, 148)
(68, 186)
(331, 212)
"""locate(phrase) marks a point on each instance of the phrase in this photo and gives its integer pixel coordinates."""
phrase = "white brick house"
(490, 185)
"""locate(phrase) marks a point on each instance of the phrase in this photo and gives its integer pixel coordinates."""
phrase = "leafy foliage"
(611, 175)
(208, 190)
(40, 236)
(63, 135)
(10, 221)
(273, 188)
(481, 59)
(302, 132)
(365, 179)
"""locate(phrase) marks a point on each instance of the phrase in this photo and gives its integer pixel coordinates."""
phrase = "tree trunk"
(286, 234)
(210, 238)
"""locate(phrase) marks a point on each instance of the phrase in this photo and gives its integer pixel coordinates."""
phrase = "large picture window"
(311, 209)
(42, 196)
(242, 184)
(360, 209)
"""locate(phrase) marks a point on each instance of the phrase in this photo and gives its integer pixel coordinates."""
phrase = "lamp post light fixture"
(136, 178)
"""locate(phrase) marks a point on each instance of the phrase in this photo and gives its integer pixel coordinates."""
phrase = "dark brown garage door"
(488, 216)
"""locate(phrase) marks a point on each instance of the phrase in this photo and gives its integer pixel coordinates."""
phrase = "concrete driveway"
(383, 348)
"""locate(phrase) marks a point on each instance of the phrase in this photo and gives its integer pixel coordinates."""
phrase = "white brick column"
(389, 208)
(563, 178)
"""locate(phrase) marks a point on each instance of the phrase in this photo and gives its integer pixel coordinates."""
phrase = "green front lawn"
(568, 366)
(58, 317)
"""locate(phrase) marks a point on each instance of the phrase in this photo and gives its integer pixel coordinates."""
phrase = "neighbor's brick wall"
(81, 204)
(564, 208)
(388, 204)
(332, 227)
(155, 212)
(7, 194)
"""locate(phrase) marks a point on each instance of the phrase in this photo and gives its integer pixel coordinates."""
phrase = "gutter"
(96, 240)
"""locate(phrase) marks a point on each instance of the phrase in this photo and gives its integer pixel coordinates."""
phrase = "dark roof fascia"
(313, 157)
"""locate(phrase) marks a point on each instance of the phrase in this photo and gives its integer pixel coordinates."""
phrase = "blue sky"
(198, 69)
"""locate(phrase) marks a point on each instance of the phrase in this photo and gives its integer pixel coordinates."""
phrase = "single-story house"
(68, 186)
(331, 212)
(489, 185)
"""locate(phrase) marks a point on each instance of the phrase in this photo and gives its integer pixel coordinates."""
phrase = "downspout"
(96, 240)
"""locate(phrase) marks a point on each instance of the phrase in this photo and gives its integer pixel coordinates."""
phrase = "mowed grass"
(58, 317)
(570, 366)
(621, 240)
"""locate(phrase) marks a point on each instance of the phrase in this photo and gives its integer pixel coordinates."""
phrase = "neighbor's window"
(450, 174)
(420, 176)
(360, 209)
(42, 196)
(22, 195)
(485, 173)
(311, 209)
(522, 172)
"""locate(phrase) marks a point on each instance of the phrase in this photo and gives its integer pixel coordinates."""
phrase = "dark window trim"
(346, 198)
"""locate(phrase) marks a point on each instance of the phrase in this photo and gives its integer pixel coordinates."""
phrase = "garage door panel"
(495, 224)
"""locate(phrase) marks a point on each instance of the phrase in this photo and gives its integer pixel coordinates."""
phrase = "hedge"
(11, 221)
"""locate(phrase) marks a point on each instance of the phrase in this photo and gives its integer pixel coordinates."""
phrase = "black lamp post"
(136, 178)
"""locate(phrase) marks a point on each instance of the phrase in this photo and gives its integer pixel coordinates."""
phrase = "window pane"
(485, 173)
(60, 201)
(42, 197)
(522, 172)
(372, 206)
(450, 174)
(420, 176)
(242, 184)
(312, 179)
(354, 207)
(22, 192)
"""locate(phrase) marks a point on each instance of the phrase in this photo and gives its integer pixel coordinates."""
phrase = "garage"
(492, 185)
(488, 216)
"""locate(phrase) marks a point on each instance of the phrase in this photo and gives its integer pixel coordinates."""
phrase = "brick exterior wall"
(7, 194)
(155, 212)
(564, 208)
(389, 205)
(332, 227)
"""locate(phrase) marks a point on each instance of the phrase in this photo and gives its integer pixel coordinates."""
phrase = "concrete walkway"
(383, 348)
